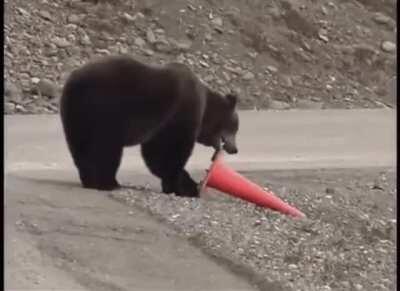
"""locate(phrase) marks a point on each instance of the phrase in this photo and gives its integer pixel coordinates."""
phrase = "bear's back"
(141, 96)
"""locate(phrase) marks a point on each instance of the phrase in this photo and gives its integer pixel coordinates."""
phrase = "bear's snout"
(230, 149)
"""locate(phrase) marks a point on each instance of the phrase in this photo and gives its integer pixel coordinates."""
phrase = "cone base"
(264, 198)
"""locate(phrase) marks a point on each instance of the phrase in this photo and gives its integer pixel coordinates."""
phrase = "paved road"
(59, 236)
(267, 140)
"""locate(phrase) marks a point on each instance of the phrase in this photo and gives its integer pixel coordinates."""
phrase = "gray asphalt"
(59, 236)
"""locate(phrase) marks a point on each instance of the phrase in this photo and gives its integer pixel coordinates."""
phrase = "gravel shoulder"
(347, 242)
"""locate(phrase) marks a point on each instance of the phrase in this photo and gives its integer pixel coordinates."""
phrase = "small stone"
(324, 10)
(204, 64)
(180, 58)
(20, 108)
(23, 12)
(103, 51)
(332, 5)
(252, 55)
(381, 18)
(35, 80)
(226, 76)
(151, 38)
(85, 40)
(128, 17)
(248, 76)
(388, 46)
(278, 105)
(217, 21)
(140, 42)
(71, 37)
(322, 35)
(272, 69)
(208, 36)
(162, 47)
(191, 7)
(257, 222)
(148, 52)
(292, 266)
(287, 81)
(183, 45)
(358, 286)
(73, 18)
(307, 46)
(45, 15)
(324, 38)
(71, 26)
(138, 15)
(61, 42)
(47, 88)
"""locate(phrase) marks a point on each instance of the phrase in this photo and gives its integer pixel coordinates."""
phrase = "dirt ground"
(347, 241)
(274, 54)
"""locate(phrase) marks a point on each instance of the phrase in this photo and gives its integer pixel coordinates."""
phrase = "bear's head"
(220, 123)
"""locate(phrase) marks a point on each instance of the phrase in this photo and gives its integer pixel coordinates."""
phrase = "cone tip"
(297, 213)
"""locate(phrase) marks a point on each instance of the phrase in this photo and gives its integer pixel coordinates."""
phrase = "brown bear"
(118, 101)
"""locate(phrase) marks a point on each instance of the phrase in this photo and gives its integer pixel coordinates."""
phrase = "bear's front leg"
(183, 185)
(186, 186)
(166, 155)
(167, 186)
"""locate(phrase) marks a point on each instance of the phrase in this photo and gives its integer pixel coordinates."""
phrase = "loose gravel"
(347, 241)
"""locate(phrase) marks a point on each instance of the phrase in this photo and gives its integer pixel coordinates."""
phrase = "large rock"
(12, 92)
(47, 88)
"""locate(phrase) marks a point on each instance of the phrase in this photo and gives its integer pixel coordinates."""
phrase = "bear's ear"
(232, 99)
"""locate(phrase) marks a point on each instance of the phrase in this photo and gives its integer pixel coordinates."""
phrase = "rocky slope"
(275, 54)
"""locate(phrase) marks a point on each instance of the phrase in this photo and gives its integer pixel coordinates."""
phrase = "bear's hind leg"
(105, 154)
(86, 174)
(106, 161)
(81, 158)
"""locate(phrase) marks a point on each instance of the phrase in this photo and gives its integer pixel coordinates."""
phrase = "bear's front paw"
(167, 187)
(191, 191)
(187, 188)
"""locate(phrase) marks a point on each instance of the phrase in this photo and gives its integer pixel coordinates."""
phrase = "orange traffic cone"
(225, 179)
